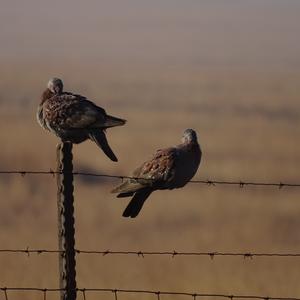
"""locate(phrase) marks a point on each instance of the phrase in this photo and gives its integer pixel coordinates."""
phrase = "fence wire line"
(142, 254)
(208, 182)
(133, 291)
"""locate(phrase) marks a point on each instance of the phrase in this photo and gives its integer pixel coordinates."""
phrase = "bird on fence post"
(73, 118)
(169, 168)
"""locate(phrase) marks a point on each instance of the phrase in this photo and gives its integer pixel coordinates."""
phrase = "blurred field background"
(229, 69)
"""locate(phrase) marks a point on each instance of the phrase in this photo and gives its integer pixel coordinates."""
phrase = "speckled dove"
(73, 118)
(169, 168)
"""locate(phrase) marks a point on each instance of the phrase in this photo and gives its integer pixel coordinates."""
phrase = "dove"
(169, 168)
(74, 118)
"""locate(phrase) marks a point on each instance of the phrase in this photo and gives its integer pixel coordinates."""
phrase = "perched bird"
(169, 168)
(73, 118)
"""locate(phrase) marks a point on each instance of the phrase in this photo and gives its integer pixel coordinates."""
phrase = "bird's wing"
(157, 171)
(160, 168)
(70, 111)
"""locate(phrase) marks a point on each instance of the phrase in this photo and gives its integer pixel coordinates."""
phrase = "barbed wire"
(240, 183)
(142, 254)
(178, 253)
(84, 291)
(31, 251)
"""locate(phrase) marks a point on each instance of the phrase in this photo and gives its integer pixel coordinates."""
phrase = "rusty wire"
(240, 183)
(175, 253)
(140, 253)
(135, 291)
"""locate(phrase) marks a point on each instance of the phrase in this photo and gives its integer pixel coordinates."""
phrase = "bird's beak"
(57, 90)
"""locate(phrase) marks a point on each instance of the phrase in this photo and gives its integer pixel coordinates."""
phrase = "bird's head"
(189, 136)
(55, 85)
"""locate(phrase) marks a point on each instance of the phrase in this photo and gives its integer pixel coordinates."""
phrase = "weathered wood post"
(66, 230)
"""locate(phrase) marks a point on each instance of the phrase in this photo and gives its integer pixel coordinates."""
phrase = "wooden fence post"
(66, 230)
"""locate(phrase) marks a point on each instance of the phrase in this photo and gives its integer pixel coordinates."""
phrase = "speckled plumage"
(169, 168)
(74, 118)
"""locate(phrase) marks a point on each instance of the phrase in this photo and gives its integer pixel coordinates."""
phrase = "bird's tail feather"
(99, 138)
(124, 195)
(136, 203)
(128, 186)
(112, 122)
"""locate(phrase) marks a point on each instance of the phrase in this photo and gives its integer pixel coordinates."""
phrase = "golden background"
(228, 69)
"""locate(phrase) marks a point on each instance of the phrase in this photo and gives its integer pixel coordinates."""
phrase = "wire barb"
(158, 295)
(45, 294)
(4, 289)
(83, 294)
(115, 293)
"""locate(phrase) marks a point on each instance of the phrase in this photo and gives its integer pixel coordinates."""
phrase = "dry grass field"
(243, 103)
(248, 126)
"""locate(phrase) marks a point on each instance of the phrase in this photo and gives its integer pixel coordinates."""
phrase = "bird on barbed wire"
(73, 118)
(169, 168)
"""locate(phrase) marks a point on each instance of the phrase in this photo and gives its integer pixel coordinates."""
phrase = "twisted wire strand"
(240, 183)
(157, 293)
(141, 253)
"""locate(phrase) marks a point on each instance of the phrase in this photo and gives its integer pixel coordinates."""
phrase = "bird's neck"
(190, 145)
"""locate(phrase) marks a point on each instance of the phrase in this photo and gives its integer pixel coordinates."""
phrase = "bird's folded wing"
(161, 168)
(74, 111)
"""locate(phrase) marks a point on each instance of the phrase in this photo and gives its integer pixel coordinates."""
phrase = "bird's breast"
(186, 166)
